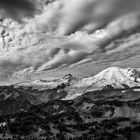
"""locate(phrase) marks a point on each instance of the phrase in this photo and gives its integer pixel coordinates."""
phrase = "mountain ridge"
(110, 78)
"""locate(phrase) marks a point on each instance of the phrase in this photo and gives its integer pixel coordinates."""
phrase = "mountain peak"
(110, 78)
(68, 76)
(116, 77)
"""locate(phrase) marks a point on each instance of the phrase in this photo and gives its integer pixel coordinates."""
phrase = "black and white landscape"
(70, 70)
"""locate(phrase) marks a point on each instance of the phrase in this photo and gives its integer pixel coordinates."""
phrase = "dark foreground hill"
(14, 99)
(99, 115)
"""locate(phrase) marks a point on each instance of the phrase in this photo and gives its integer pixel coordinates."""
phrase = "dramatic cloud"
(64, 17)
(17, 8)
(69, 33)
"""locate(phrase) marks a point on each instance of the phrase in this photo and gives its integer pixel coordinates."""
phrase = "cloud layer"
(69, 33)
(68, 16)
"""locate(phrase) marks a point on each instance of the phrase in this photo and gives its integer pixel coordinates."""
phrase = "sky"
(71, 36)
(17, 8)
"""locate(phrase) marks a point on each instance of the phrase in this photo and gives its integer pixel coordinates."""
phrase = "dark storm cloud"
(17, 8)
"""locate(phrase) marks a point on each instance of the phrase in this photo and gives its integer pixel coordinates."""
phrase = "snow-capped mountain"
(115, 76)
(50, 84)
(111, 78)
